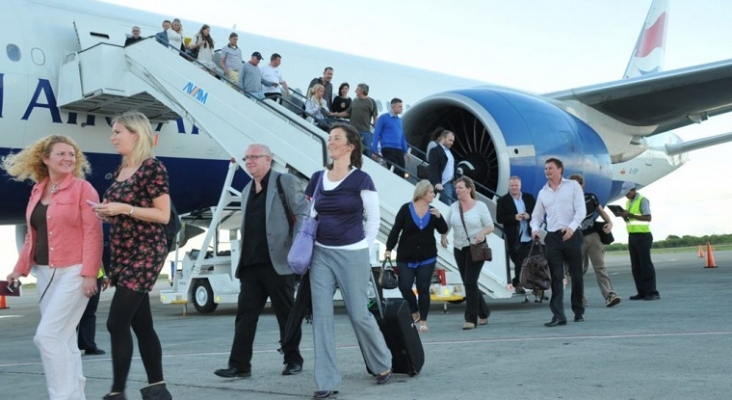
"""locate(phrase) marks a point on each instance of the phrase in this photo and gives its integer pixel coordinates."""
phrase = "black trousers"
(88, 324)
(558, 252)
(644, 273)
(396, 157)
(475, 306)
(258, 282)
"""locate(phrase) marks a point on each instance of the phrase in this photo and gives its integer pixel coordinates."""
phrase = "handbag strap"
(385, 267)
(531, 249)
(315, 192)
(462, 219)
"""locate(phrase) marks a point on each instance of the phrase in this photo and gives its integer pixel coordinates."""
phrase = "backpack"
(172, 228)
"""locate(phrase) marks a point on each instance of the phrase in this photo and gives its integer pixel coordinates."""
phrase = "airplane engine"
(500, 133)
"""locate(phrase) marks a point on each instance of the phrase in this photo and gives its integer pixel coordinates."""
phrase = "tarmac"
(677, 348)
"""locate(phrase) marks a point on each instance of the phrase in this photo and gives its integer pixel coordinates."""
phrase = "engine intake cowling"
(500, 133)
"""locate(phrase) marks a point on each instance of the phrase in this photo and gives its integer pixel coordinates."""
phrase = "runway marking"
(430, 343)
(10, 316)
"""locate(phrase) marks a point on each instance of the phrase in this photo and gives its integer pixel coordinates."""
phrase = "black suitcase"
(400, 334)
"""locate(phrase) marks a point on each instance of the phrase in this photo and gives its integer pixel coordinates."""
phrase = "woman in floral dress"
(137, 205)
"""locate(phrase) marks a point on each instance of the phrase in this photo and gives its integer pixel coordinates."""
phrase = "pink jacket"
(74, 231)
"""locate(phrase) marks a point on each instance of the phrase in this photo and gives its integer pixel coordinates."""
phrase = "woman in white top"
(478, 224)
(317, 107)
(176, 35)
(205, 45)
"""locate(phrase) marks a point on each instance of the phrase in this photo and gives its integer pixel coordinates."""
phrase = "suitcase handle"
(379, 304)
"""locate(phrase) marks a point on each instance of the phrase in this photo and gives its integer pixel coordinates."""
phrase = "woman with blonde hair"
(137, 205)
(176, 35)
(64, 246)
(414, 227)
(317, 107)
(472, 223)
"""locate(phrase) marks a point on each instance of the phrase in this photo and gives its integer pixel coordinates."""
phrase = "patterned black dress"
(139, 248)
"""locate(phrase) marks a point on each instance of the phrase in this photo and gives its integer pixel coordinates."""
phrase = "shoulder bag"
(478, 251)
(301, 253)
(535, 273)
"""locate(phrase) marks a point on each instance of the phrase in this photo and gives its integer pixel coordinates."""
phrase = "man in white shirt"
(562, 203)
(271, 73)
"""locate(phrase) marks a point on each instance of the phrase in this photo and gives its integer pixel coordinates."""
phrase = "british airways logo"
(196, 92)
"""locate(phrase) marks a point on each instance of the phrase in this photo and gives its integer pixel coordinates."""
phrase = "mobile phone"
(91, 203)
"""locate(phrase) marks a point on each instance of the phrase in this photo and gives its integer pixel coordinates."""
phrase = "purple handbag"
(301, 252)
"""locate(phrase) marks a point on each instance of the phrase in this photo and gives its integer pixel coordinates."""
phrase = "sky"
(535, 45)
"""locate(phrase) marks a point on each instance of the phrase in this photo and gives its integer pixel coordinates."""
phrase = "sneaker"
(612, 300)
(423, 327)
(482, 321)
(468, 325)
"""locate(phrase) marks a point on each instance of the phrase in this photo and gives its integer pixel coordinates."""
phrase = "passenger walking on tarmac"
(137, 205)
(414, 227)
(59, 217)
(637, 216)
(347, 207)
(362, 114)
(266, 238)
(513, 211)
(592, 248)
(442, 167)
(87, 329)
(561, 202)
(390, 135)
(472, 223)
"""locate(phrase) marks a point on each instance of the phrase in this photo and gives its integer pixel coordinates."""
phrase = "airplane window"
(13, 52)
(39, 58)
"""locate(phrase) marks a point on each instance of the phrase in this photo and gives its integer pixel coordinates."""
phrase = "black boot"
(116, 396)
(156, 392)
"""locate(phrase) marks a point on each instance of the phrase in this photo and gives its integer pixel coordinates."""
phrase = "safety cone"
(710, 257)
(701, 252)
(3, 303)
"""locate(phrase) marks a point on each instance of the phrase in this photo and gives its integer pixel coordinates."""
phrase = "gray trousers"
(350, 269)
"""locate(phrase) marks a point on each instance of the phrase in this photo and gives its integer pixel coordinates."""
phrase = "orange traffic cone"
(710, 257)
(3, 303)
(701, 252)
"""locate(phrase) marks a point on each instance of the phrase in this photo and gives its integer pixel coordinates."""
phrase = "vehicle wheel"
(456, 301)
(203, 297)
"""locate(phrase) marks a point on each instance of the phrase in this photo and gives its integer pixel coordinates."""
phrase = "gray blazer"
(278, 228)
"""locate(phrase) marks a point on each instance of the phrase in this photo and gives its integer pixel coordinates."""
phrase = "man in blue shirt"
(162, 37)
(390, 134)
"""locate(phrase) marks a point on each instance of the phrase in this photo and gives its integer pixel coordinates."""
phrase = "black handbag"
(387, 277)
(605, 238)
(535, 273)
(478, 251)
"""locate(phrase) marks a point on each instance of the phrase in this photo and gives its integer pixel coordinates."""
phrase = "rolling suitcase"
(400, 334)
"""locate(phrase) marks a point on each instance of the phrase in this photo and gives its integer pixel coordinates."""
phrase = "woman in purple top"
(347, 209)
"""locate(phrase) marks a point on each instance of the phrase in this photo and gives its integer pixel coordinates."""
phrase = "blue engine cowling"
(501, 133)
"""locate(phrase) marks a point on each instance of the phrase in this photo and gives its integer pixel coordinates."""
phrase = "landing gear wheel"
(203, 297)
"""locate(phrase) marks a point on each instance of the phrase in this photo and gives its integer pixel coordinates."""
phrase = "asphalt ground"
(677, 348)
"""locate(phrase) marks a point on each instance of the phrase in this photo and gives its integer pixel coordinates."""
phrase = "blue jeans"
(447, 195)
(366, 138)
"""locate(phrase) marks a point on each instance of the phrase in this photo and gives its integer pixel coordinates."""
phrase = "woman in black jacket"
(414, 228)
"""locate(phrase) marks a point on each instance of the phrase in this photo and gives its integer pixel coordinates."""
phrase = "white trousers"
(62, 306)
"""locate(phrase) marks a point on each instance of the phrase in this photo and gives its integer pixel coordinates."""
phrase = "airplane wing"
(667, 100)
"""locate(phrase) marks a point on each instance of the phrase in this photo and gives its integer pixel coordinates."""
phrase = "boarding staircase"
(107, 79)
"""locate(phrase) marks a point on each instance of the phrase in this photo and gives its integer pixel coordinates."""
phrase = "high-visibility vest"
(635, 225)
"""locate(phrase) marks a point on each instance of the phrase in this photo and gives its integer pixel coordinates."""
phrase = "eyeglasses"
(254, 157)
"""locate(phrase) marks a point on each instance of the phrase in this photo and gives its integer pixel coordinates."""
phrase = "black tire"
(203, 297)
(456, 301)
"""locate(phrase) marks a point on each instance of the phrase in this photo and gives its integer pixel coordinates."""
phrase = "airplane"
(596, 130)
